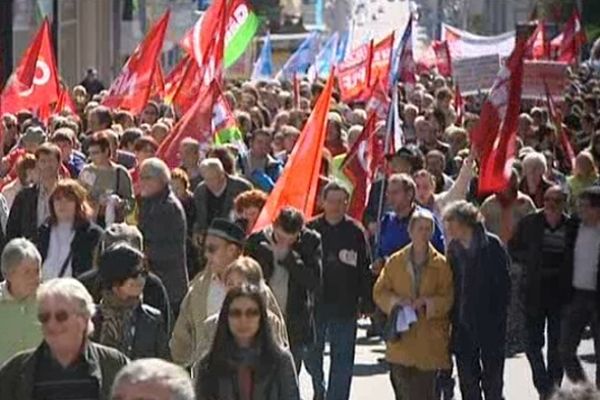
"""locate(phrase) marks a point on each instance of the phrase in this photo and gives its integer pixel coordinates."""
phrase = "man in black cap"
(224, 244)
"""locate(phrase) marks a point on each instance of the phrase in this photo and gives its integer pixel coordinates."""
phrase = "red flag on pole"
(360, 165)
(459, 105)
(297, 185)
(443, 59)
(173, 79)
(494, 137)
(195, 123)
(382, 57)
(354, 73)
(158, 84)
(538, 45)
(573, 38)
(34, 84)
(188, 87)
(131, 89)
(556, 118)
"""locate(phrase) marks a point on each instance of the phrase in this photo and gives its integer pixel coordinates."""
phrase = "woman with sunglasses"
(66, 365)
(245, 362)
(123, 321)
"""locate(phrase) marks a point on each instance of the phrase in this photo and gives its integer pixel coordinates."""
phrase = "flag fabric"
(443, 60)
(464, 44)
(173, 79)
(242, 24)
(342, 47)
(225, 125)
(382, 57)
(158, 84)
(394, 124)
(556, 119)
(263, 67)
(65, 102)
(303, 57)
(131, 89)
(573, 38)
(297, 185)
(459, 106)
(538, 43)
(185, 93)
(354, 73)
(360, 166)
(377, 99)
(403, 64)
(494, 137)
(196, 123)
(325, 60)
(34, 83)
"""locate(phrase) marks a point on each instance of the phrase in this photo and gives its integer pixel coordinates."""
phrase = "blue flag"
(302, 58)
(395, 68)
(342, 47)
(325, 59)
(263, 67)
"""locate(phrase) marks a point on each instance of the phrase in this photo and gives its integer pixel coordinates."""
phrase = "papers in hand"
(406, 317)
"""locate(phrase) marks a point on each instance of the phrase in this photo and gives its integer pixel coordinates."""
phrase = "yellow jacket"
(425, 345)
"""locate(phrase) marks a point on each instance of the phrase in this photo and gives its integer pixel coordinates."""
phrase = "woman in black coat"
(68, 240)
(244, 361)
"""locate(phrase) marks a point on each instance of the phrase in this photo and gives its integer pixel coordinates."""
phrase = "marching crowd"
(124, 279)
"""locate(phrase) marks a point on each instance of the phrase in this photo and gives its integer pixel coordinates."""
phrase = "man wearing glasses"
(539, 245)
(224, 244)
(66, 364)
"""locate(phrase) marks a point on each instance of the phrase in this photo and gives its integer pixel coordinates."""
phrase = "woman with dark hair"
(68, 240)
(244, 361)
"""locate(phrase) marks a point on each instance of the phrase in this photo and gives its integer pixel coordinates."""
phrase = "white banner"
(463, 44)
(476, 73)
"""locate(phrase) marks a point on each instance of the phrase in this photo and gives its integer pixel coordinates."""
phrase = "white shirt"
(216, 296)
(61, 236)
(585, 265)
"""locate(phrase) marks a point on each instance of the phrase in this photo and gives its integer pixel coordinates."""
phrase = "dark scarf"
(116, 316)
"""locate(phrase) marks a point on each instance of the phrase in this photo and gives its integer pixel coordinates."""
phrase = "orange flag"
(131, 89)
(34, 84)
(297, 185)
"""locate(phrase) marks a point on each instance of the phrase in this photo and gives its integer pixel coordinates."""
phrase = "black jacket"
(305, 279)
(278, 381)
(526, 247)
(83, 245)
(22, 220)
(481, 288)
(155, 294)
(346, 260)
(566, 292)
(17, 375)
(145, 336)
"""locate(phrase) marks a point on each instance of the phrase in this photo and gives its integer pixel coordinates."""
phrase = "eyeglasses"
(236, 313)
(60, 316)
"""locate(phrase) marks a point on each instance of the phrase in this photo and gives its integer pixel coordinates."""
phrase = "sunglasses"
(248, 313)
(60, 316)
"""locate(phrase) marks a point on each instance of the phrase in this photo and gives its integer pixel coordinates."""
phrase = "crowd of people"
(150, 282)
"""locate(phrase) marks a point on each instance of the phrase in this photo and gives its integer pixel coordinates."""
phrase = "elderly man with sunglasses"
(224, 244)
(66, 364)
(539, 244)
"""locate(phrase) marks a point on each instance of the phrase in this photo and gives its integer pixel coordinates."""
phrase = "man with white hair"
(534, 183)
(163, 225)
(66, 364)
(21, 267)
(153, 378)
(215, 195)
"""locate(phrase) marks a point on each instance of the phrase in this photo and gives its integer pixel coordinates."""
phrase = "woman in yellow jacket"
(418, 277)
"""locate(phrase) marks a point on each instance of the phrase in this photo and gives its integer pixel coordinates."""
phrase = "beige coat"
(188, 338)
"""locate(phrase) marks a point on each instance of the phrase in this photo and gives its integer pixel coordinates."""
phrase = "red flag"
(297, 185)
(195, 123)
(65, 102)
(573, 38)
(382, 57)
(494, 137)
(360, 165)
(443, 60)
(408, 68)
(173, 79)
(556, 118)
(34, 84)
(131, 89)
(538, 45)
(377, 100)
(459, 106)
(188, 87)
(158, 84)
(354, 73)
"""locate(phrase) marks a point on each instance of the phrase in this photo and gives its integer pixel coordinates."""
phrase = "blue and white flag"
(302, 58)
(325, 59)
(395, 69)
(342, 47)
(263, 67)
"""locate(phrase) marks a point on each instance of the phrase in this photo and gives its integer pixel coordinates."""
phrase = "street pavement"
(371, 378)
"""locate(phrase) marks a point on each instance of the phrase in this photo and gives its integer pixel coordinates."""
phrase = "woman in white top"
(68, 240)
